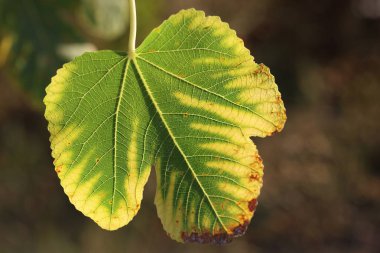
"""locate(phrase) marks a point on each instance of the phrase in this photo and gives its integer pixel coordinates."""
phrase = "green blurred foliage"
(105, 19)
(36, 35)
(35, 28)
(322, 177)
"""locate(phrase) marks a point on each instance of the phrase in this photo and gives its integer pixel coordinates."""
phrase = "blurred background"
(322, 173)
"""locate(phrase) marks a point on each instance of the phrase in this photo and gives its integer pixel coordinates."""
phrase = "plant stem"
(132, 29)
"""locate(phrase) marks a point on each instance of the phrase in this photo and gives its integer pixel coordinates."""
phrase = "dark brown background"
(322, 177)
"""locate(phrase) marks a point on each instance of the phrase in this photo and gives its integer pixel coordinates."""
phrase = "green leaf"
(186, 104)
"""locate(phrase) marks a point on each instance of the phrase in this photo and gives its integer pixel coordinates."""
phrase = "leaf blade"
(92, 139)
(176, 65)
(186, 103)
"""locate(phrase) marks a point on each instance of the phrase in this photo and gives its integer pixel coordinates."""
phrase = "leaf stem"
(132, 29)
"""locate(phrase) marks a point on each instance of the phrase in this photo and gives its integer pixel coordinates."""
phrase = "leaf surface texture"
(185, 104)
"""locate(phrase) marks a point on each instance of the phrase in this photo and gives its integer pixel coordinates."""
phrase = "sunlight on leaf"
(186, 104)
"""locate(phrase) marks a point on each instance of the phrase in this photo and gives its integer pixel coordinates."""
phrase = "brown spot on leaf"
(241, 229)
(254, 177)
(258, 159)
(58, 169)
(221, 238)
(264, 70)
(97, 160)
(186, 114)
(218, 238)
(252, 205)
(242, 218)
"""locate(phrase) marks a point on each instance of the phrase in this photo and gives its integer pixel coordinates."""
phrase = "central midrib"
(116, 134)
(175, 142)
